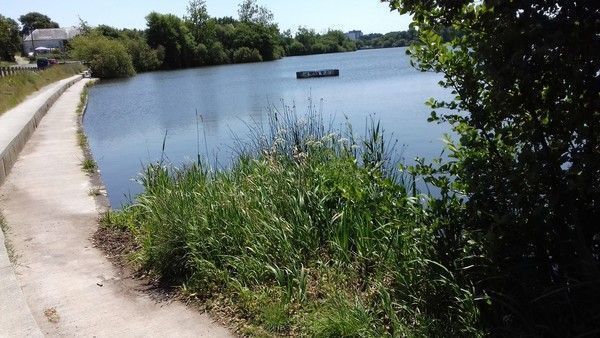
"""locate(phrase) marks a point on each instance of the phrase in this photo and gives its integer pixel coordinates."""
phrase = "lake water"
(126, 120)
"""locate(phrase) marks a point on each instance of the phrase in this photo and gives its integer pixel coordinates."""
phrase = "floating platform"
(317, 73)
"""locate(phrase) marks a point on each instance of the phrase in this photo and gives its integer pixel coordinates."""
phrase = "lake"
(126, 120)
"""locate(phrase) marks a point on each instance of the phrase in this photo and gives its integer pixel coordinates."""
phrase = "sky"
(370, 16)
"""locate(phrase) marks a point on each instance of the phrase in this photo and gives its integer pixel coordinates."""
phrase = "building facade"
(354, 35)
(50, 38)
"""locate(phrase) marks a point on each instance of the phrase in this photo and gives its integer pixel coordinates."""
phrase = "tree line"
(172, 42)
(197, 39)
(401, 38)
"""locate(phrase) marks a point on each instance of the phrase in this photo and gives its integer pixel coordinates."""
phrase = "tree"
(10, 43)
(250, 11)
(527, 114)
(107, 58)
(172, 34)
(197, 18)
(34, 20)
(245, 55)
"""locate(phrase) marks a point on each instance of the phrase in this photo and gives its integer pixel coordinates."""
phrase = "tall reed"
(310, 232)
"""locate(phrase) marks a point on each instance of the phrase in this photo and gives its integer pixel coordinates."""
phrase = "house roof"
(53, 34)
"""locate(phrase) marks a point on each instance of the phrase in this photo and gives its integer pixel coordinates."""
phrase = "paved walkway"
(70, 287)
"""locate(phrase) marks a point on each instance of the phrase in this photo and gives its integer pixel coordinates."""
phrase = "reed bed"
(310, 232)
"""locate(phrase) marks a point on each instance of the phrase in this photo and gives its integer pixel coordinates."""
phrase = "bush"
(319, 48)
(107, 58)
(143, 57)
(218, 55)
(245, 54)
(296, 48)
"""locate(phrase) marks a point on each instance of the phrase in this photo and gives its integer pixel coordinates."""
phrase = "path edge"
(10, 154)
(16, 319)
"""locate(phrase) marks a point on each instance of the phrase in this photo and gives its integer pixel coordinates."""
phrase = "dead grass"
(7, 243)
(52, 315)
(15, 88)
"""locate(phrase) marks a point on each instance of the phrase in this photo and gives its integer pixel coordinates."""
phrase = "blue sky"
(370, 16)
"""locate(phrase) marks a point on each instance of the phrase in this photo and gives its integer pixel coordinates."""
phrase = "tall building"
(354, 35)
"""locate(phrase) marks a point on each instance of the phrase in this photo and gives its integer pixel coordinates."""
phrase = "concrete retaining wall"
(18, 124)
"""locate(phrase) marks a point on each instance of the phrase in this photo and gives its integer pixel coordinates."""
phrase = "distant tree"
(296, 48)
(34, 20)
(250, 11)
(197, 16)
(201, 56)
(245, 54)
(218, 55)
(108, 31)
(307, 37)
(172, 34)
(307, 41)
(226, 20)
(144, 58)
(10, 42)
(261, 37)
(225, 33)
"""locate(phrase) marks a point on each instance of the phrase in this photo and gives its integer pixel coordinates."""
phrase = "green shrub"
(106, 57)
(143, 57)
(245, 54)
(296, 48)
(218, 55)
(319, 48)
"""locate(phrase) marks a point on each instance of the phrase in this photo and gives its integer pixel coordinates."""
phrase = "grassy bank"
(309, 233)
(15, 88)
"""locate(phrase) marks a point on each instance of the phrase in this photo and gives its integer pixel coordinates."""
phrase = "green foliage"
(15, 88)
(89, 166)
(106, 57)
(171, 32)
(307, 41)
(526, 112)
(257, 36)
(389, 40)
(197, 18)
(296, 48)
(308, 233)
(217, 55)
(10, 43)
(250, 12)
(245, 54)
(34, 20)
(143, 57)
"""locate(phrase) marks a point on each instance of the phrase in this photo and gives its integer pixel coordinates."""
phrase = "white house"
(51, 38)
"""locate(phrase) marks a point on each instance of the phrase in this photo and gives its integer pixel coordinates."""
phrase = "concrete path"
(70, 287)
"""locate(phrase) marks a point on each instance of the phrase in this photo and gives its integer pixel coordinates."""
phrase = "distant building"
(50, 38)
(354, 35)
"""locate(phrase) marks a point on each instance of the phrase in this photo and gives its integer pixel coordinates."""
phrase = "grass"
(15, 88)
(83, 98)
(89, 166)
(309, 233)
